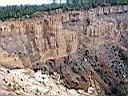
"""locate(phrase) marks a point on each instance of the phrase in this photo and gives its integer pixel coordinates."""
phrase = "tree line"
(7, 12)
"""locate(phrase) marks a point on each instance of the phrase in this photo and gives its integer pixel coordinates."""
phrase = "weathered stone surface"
(25, 82)
(66, 42)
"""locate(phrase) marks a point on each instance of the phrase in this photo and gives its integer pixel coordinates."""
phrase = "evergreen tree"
(27, 10)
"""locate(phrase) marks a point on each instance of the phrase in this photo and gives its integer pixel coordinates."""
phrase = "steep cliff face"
(37, 39)
(78, 45)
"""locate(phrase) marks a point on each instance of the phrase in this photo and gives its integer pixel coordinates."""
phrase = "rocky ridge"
(25, 82)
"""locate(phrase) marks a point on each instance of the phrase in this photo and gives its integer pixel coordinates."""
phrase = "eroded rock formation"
(80, 45)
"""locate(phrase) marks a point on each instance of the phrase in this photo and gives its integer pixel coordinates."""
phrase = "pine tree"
(54, 1)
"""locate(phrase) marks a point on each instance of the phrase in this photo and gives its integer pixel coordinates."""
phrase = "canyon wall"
(57, 35)
(63, 38)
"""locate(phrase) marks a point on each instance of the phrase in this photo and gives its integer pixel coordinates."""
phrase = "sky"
(23, 2)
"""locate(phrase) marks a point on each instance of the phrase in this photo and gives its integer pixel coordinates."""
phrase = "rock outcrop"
(25, 82)
(79, 45)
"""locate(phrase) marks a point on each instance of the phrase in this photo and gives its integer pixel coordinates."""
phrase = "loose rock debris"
(25, 82)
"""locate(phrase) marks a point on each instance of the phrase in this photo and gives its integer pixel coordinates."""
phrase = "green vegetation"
(119, 90)
(27, 10)
(22, 10)
(126, 54)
